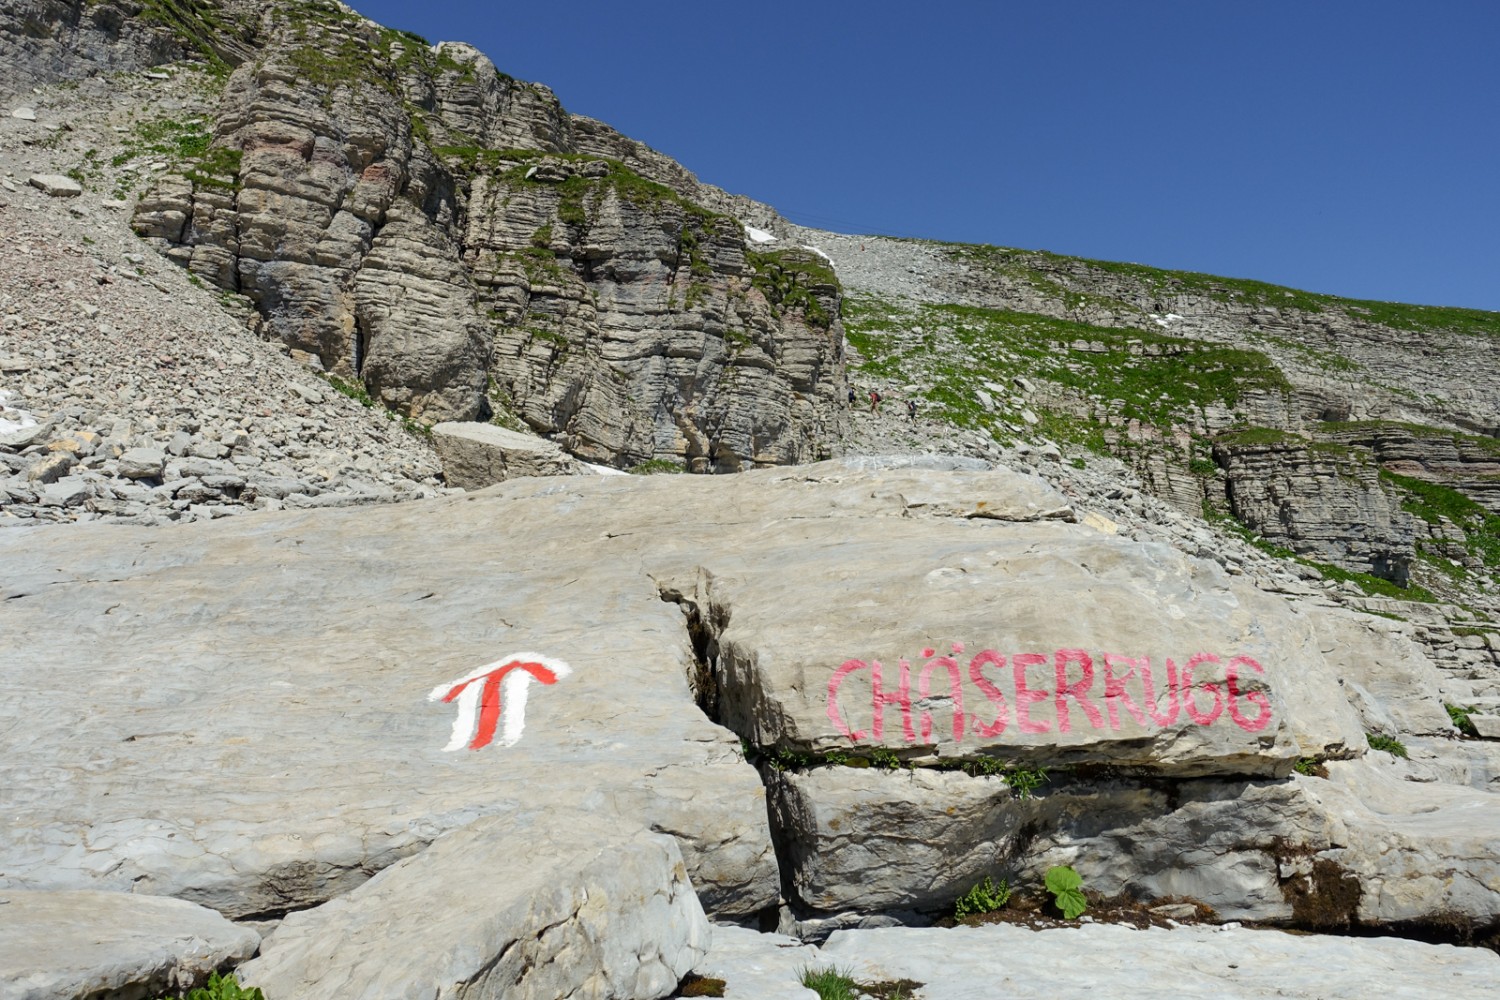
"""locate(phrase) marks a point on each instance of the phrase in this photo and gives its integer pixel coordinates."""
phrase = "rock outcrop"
(1115, 706)
(85, 943)
(459, 243)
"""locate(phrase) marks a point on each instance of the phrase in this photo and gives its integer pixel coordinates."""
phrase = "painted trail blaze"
(493, 698)
(1080, 690)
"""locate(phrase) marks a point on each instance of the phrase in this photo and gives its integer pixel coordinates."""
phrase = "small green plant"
(1391, 745)
(1311, 767)
(831, 983)
(1066, 887)
(986, 897)
(656, 467)
(223, 988)
(883, 758)
(782, 759)
(1024, 782)
(1461, 720)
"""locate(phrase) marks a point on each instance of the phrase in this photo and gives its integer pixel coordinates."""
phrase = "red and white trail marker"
(494, 698)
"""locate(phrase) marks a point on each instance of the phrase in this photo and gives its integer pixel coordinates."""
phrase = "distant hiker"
(852, 397)
(874, 401)
(911, 410)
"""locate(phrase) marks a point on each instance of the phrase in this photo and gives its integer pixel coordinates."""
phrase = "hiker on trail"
(852, 397)
(874, 401)
(911, 410)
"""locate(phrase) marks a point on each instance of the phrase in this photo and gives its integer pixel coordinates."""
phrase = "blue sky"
(1342, 147)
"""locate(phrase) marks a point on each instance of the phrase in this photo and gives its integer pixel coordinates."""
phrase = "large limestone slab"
(1230, 963)
(63, 945)
(257, 733)
(546, 905)
(944, 633)
(239, 712)
(477, 455)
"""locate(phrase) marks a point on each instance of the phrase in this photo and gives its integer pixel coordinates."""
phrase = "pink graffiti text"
(1082, 691)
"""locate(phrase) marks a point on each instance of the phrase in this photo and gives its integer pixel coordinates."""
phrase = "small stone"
(25, 114)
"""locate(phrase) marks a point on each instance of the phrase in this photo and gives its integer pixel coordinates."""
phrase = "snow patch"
(1166, 320)
(12, 420)
(819, 253)
(604, 470)
(759, 235)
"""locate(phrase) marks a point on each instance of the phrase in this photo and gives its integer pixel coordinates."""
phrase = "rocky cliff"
(452, 238)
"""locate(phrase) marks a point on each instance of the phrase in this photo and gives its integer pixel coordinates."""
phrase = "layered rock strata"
(385, 207)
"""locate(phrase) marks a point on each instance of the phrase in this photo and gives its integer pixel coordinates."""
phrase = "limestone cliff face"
(461, 244)
(48, 41)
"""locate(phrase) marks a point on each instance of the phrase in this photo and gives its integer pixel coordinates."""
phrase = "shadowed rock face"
(389, 209)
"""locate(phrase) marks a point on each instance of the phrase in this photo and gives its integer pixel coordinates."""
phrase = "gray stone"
(52, 466)
(69, 491)
(980, 963)
(142, 463)
(64, 945)
(1488, 726)
(478, 455)
(55, 185)
(26, 436)
(24, 114)
(545, 905)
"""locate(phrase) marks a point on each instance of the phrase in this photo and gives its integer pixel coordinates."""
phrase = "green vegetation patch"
(167, 138)
(1461, 721)
(1259, 436)
(1135, 374)
(1433, 502)
(1388, 744)
(792, 279)
(222, 988)
(986, 897)
(1160, 282)
(657, 467)
(1373, 585)
(195, 23)
(218, 167)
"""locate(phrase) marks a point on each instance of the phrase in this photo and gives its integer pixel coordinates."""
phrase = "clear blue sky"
(1343, 146)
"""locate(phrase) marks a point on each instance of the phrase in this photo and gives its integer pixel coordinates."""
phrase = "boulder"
(477, 455)
(546, 904)
(142, 463)
(64, 945)
(55, 185)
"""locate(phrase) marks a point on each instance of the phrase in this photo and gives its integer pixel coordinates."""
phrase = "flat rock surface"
(982, 963)
(545, 905)
(62, 945)
(260, 713)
